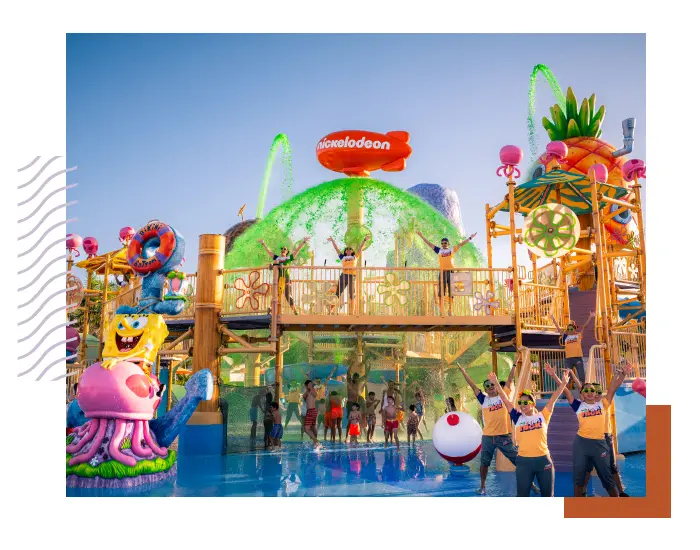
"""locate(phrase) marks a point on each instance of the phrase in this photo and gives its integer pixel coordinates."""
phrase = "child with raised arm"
(496, 431)
(347, 277)
(446, 256)
(530, 424)
(591, 448)
(284, 258)
(311, 413)
(571, 339)
(371, 416)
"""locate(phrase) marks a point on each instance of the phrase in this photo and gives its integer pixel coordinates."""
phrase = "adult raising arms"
(530, 426)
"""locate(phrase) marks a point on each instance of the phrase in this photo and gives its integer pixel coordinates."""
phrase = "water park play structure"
(583, 229)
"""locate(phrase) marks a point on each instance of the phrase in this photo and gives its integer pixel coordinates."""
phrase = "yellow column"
(208, 305)
(355, 221)
(279, 365)
(86, 323)
(513, 250)
(103, 311)
(637, 188)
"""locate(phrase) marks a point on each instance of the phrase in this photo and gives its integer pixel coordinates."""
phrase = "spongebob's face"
(135, 336)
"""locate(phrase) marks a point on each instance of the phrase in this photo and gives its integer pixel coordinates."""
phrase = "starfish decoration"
(250, 290)
(393, 291)
(487, 303)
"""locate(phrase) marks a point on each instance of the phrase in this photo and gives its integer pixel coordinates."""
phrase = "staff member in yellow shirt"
(347, 277)
(590, 445)
(446, 256)
(531, 426)
(608, 439)
(571, 339)
(496, 433)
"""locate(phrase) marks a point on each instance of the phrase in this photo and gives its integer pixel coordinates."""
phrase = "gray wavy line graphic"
(48, 299)
(47, 198)
(36, 364)
(61, 361)
(46, 182)
(69, 323)
(54, 209)
(66, 375)
(48, 231)
(42, 272)
(63, 308)
(65, 273)
(29, 165)
(40, 255)
(39, 172)
(45, 334)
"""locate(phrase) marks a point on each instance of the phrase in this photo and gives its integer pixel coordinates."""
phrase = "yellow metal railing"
(630, 343)
(382, 291)
(595, 367)
(543, 383)
(538, 302)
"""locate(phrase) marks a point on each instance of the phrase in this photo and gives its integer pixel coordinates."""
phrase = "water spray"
(558, 94)
(280, 140)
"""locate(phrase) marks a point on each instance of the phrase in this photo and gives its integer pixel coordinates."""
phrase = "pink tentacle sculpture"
(510, 155)
(79, 459)
(160, 451)
(91, 427)
(116, 443)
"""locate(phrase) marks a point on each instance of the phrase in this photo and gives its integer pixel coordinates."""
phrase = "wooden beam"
(227, 351)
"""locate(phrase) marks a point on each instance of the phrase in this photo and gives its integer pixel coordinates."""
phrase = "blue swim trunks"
(277, 431)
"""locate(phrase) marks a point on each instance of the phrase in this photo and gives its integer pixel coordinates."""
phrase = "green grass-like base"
(113, 469)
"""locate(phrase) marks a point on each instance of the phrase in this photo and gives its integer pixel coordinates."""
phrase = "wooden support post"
(279, 366)
(602, 296)
(103, 312)
(516, 275)
(208, 305)
(86, 323)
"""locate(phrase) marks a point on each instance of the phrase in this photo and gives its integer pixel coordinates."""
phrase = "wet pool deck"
(342, 470)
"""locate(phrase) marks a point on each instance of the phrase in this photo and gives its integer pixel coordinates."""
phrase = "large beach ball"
(457, 437)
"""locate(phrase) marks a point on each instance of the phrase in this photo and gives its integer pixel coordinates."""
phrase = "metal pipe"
(627, 137)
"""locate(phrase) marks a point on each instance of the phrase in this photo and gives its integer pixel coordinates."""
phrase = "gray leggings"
(529, 468)
(596, 453)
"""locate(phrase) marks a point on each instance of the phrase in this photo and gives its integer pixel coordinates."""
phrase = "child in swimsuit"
(413, 421)
(420, 411)
(277, 430)
(391, 425)
(336, 415)
(354, 419)
(370, 406)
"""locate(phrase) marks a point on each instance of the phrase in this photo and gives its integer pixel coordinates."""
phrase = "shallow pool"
(362, 471)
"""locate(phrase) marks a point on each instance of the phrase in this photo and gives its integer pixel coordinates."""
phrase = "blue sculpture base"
(201, 440)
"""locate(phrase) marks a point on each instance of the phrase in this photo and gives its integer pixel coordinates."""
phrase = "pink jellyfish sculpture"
(511, 155)
(73, 241)
(599, 173)
(634, 169)
(126, 234)
(90, 246)
(556, 150)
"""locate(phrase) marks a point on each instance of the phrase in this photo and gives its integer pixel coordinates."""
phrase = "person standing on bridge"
(285, 259)
(446, 256)
(347, 277)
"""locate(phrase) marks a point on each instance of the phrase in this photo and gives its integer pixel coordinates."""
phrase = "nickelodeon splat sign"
(357, 152)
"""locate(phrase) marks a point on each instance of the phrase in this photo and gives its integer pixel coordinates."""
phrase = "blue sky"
(178, 127)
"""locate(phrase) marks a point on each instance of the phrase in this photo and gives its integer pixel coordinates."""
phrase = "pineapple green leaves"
(576, 121)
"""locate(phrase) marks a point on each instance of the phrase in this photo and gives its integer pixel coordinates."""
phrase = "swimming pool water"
(362, 471)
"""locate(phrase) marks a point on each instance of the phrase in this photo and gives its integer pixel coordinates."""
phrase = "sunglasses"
(589, 390)
(523, 402)
(488, 385)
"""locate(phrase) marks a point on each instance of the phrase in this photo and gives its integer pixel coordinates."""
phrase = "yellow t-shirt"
(591, 418)
(572, 345)
(496, 419)
(293, 396)
(446, 256)
(531, 433)
(349, 264)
